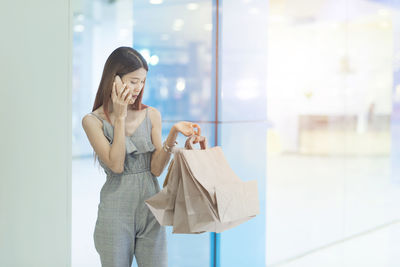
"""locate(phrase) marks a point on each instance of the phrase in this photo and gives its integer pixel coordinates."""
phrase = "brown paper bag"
(162, 204)
(225, 198)
(203, 193)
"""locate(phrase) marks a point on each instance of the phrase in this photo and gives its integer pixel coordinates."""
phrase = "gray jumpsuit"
(125, 227)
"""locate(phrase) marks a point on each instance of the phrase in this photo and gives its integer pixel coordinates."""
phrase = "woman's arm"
(160, 158)
(112, 155)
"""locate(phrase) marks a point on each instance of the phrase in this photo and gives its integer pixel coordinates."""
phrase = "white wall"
(35, 137)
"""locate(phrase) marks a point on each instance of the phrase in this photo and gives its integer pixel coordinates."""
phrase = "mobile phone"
(118, 82)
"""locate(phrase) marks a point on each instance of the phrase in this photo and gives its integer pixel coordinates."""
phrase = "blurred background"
(303, 96)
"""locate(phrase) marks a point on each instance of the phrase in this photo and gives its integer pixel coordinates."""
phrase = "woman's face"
(135, 82)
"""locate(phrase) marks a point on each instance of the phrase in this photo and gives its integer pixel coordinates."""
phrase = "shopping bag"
(215, 197)
(203, 193)
(162, 204)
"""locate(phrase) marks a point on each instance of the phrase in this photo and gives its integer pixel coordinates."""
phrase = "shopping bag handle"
(189, 142)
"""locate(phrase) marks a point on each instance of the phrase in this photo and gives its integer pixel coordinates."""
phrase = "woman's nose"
(134, 90)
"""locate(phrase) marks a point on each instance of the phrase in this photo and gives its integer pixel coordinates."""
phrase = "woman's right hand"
(120, 96)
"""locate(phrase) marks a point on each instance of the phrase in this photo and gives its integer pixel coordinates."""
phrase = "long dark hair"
(121, 61)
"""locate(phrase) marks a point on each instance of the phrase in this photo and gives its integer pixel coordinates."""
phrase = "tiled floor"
(316, 201)
(379, 248)
(312, 204)
(87, 181)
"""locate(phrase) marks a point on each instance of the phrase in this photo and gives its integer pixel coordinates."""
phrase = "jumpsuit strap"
(147, 121)
(100, 118)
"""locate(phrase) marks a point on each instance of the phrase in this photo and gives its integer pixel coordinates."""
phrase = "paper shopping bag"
(216, 199)
(203, 193)
(163, 203)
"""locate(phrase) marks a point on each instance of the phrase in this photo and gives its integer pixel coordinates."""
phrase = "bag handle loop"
(189, 142)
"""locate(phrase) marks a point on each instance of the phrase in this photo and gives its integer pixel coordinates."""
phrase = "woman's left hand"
(187, 129)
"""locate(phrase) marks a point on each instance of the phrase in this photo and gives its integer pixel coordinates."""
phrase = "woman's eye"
(135, 82)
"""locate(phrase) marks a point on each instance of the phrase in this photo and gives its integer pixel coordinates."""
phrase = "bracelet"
(167, 148)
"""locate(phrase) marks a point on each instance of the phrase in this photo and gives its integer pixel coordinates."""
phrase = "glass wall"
(243, 118)
(333, 140)
(175, 37)
(305, 93)
(98, 28)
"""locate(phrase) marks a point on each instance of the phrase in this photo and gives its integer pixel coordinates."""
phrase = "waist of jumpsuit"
(127, 172)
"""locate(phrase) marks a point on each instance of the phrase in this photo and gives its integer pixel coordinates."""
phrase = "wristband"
(167, 148)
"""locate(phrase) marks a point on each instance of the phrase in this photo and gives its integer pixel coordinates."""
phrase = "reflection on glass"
(329, 147)
(179, 86)
(175, 38)
(242, 115)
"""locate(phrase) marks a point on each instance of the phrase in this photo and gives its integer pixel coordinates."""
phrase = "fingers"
(113, 91)
(123, 90)
(197, 133)
(196, 140)
(124, 94)
(128, 97)
(195, 125)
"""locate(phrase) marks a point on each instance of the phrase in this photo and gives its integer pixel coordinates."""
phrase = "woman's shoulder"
(90, 122)
(94, 117)
(154, 112)
(155, 116)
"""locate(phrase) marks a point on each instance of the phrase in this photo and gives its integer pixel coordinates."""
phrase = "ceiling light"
(156, 2)
(79, 28)
(178, 24)
(154, 60)
(207, 27)
(192, 6)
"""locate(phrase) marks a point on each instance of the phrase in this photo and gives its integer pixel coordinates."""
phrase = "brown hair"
(121, 61)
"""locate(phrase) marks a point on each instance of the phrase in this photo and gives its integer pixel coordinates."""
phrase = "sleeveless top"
(138, 147)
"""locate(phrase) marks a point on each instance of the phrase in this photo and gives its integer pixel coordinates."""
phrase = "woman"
(126, 136)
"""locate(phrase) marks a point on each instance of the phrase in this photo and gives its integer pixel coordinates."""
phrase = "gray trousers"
(125, 227)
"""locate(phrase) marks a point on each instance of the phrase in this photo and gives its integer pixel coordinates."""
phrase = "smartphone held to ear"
(118, 83)
(117, 79)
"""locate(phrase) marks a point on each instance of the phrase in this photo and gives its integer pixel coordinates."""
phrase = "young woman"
(126, 136)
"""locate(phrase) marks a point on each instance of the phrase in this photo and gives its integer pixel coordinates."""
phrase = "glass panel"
(395, 118)
(330, 178)
(186, 250)
(98, 28)
(244, 146)
(243, 127)
(175, 38)
(371, 196)
(243, 60)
